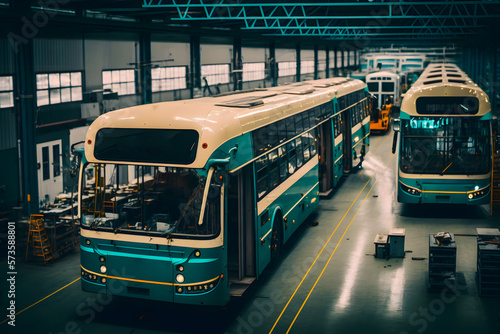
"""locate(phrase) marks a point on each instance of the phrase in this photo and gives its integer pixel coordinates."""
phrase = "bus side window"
(312, 117)
(300, 153)
(299, 125)
(328, 110)
(313, 142)
(305, 119)
(340, 102)
(290, 127)
(272, 133)
(260, 141)
(262, 176)
(319, 111)
(282, 131)
(292, 157)
(306, 147)
(274, 176)
(283, 161)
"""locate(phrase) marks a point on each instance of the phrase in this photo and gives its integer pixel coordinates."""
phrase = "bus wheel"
(276, 241)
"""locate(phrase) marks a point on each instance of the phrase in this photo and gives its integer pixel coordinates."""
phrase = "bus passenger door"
(241, 230)
(347, 140)
(325, 159)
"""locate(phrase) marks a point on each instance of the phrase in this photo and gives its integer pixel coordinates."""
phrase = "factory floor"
(328, 280)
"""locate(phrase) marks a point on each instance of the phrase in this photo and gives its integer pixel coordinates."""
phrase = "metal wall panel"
(7, 65)
(8, 137)
(58, 55)
(106, 55)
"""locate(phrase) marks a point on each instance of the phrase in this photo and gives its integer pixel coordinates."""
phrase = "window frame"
(209, 76)
(306, 66)
(110, 85)
(9, 92)
(247, 72)
(289, 70)
(183, 79)
(51, 92)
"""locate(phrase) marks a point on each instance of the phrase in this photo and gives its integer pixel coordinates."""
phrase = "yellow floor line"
(331, 256)
(327, 242)
(53, 293)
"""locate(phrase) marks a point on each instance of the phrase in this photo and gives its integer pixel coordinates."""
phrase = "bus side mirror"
(394, 142)
(396, 124)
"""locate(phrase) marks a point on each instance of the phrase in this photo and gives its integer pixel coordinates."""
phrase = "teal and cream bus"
(445, 150)
(189, 201)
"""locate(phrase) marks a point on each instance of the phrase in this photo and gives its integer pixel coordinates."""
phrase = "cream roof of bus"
(389, 74)
(443, 73)
(217, 123)
(440, 84)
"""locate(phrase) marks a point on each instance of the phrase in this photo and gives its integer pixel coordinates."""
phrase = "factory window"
(254, 71)
(340, 54)
(351, 58)
(307, 66)
(215, 74)
(168, 78)
(119, 81)
(287, 68)
(322, 66)
(6, 92)
(53, 88)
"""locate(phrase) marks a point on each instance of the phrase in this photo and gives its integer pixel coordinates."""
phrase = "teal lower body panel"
(338, 165)
(366, 140)
(149, 272)
(359, 146)
(297, 212)
(448, 191)
(296, 203)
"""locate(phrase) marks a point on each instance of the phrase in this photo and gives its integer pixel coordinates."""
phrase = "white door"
(50, 178)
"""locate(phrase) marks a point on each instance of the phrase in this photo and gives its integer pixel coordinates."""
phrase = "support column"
(327, 62)
(297, 60)
(237, 65)
(145, 68)
(316, 60)
(195, 65)
(273, 64)
(26, 111)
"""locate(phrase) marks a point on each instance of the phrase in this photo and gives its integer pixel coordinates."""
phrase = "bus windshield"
(445, 145)
(149, 200)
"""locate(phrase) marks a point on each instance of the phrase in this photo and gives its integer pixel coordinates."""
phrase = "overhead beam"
(441, 18)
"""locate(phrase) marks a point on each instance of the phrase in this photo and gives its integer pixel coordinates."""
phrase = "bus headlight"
(103, 269)
(476, 194)
(410, 190)
(179, 278)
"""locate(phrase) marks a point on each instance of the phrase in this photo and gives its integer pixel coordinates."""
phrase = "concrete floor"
(347, 290)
